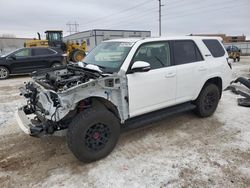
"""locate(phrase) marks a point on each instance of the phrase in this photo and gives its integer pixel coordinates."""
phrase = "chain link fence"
(244, 46)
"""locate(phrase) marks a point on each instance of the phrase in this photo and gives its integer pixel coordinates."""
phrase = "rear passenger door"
(191, 69)
(42, 57)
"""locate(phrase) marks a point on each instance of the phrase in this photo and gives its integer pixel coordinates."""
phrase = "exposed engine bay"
(56, 95)
(60, 79)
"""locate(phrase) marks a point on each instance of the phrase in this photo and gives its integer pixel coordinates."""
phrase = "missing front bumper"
(26, 124)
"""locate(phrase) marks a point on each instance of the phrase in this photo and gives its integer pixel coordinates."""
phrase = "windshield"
(9, 53)
(109, 56)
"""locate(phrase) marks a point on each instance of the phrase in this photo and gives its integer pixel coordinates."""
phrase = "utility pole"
(160, 5)
(72, 27)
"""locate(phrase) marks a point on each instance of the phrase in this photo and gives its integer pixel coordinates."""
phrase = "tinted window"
(156, 54)
(41, 51)
(214, 47)
(23, 53)
(186, 52)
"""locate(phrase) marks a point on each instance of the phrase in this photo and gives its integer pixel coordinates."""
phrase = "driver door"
(21, 61)
(155, 89)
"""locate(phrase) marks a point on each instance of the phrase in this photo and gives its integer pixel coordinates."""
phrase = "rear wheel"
(4, 73)
(207, 101)
(93, 134)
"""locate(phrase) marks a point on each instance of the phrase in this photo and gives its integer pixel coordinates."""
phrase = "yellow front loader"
(75, 52)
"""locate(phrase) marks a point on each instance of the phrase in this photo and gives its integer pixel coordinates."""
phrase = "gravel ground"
(181, 151)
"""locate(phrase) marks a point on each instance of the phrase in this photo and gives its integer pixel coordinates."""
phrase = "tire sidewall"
(81, 126)
(76, 52)
(201, 101)
(8, 72)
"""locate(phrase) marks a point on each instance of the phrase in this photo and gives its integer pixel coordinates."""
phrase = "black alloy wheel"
(97, 137)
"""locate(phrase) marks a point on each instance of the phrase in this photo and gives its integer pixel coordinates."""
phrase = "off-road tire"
(207, 101)
(77, 55)
(5, 73)
(79, 128)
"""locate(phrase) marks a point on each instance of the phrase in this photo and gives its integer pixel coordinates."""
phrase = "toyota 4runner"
(125, 82)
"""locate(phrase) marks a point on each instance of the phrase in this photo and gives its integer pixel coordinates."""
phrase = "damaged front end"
(52, 98)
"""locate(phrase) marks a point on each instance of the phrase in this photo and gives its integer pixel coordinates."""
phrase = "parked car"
(234, 52)
(125, 82)
(27, 60)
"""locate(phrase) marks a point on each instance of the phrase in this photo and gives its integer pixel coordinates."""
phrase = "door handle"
(202, 69)
(170, 74)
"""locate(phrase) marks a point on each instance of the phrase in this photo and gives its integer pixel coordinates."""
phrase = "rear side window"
(214, 47)
(186, 52)
(41, 51)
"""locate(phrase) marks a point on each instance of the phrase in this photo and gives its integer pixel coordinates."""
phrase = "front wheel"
(4, 73)
(93, 134)
(207, 101)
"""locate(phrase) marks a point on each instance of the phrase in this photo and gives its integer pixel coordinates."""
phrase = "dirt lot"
(181, 151)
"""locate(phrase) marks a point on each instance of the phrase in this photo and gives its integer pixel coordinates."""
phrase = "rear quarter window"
(214, 47)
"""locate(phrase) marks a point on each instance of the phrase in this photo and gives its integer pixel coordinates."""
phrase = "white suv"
(125, 82)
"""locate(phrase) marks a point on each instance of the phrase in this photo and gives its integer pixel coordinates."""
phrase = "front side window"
(109, 56)
(186, 52)
(157, 54)
(23, 53)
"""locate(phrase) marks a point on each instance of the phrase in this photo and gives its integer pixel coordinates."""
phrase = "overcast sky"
(24, 18)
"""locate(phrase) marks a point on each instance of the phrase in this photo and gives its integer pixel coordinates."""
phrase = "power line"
(208, 10)
(138, 17)
(203, 12)
(120, 12)
(202, 7)
(181, 3)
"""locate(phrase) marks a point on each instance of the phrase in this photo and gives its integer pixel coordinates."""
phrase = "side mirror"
(140, 66)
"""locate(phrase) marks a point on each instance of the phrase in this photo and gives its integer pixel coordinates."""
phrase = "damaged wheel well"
(101, 102)
(217, 81)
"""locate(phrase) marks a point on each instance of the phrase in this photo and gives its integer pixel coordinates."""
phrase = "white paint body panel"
(152, 90)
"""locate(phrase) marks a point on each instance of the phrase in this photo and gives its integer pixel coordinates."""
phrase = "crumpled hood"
(90, 66)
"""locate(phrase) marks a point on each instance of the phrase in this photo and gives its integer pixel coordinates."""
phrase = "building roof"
(149, 39)
(106, 30)
(16, 38)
